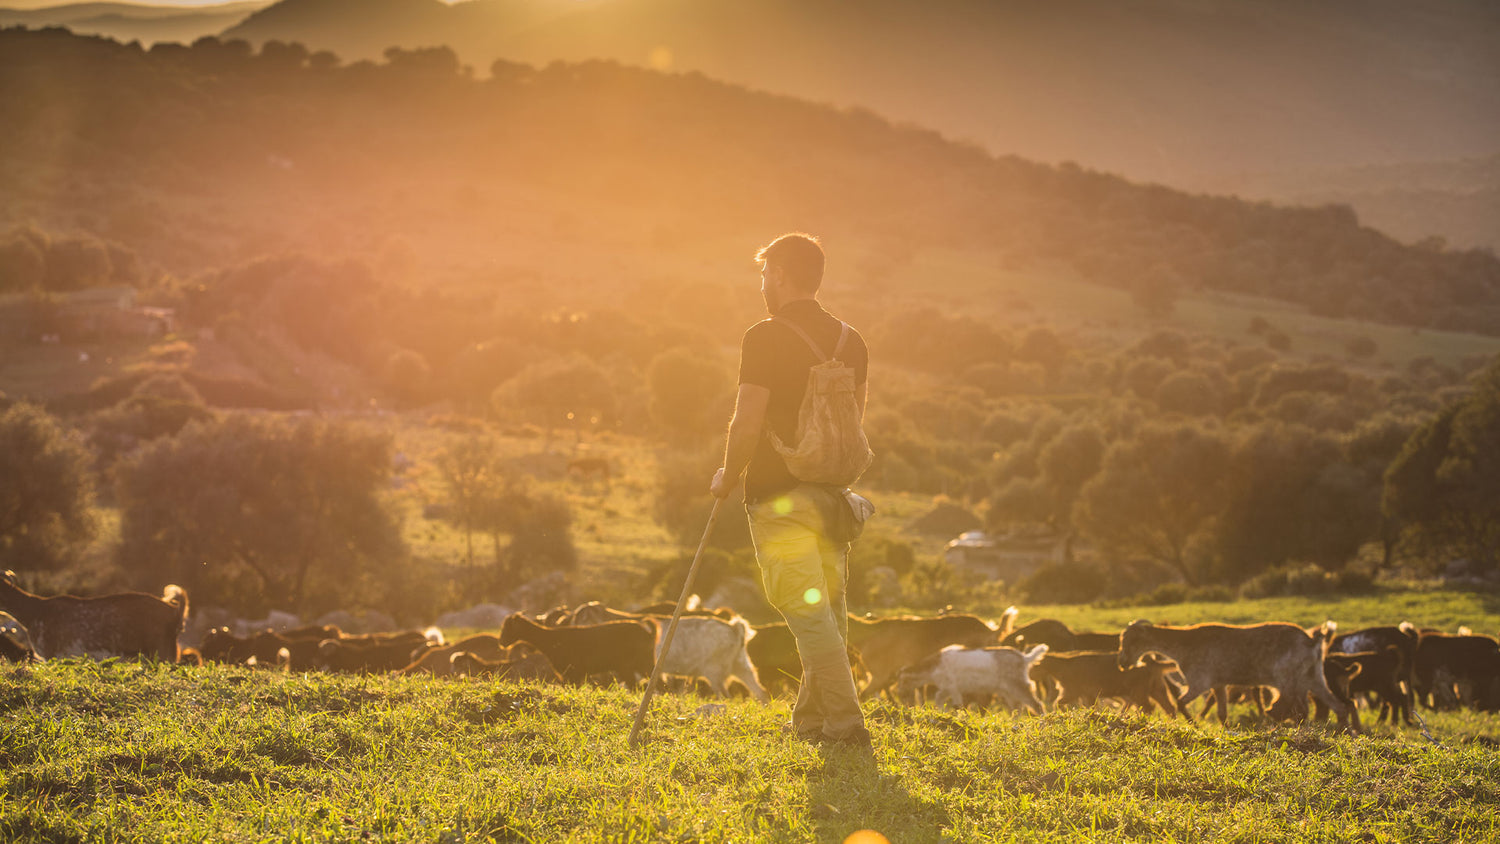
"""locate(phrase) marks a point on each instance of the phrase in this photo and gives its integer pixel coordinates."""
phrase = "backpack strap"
(811, 344)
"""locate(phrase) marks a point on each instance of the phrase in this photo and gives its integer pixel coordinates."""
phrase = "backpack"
(830, 443)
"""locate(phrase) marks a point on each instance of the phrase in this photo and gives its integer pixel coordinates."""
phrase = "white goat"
(960, 672)
(713, 649)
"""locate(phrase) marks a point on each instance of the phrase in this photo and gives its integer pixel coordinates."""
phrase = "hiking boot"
(859, 740)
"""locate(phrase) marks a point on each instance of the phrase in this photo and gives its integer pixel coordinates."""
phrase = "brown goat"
(1393, 683)
(435, 660)
(1059, 638)
(1216, 656)
(625, 649)
(1084, 678)
(887, 645)
(533, 665)
(773, 652)
(122, 624)
(376, 653)
(1455, 669)
(266, 648)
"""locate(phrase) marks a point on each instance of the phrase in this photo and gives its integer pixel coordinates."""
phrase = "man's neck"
(793, 302)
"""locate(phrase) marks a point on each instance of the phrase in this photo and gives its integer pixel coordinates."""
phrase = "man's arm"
(744, 434)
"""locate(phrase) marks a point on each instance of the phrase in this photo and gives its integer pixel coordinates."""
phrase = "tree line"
(179, 118)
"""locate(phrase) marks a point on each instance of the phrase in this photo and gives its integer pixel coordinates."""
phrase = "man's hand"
(720, 487)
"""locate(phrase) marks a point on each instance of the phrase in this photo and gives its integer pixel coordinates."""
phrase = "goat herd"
(1287, 672)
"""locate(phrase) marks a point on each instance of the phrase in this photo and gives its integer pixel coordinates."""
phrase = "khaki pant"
(805, 576)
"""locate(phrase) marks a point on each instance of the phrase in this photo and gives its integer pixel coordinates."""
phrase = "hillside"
(1185, 94)
(134, 22)
(594, 171)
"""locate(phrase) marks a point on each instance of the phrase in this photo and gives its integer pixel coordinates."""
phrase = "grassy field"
(122, 751)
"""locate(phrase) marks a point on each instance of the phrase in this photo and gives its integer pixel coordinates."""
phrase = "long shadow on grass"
(849, 794)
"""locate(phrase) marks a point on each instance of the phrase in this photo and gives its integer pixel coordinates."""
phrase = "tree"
(254, 512)
(1156, 493)
(1444, 486)
(569, 389)
(1294, 497)
(1067, 463)
(1188, 392)
(408, 375)
(470, 471)
(46, 492)
(690, 395)
(540, 529)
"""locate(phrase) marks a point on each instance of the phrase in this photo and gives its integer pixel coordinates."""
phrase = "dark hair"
(798, 255)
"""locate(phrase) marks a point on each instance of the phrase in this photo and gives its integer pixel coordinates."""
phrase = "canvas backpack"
(831, 447)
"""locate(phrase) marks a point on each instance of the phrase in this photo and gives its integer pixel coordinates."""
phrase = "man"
(803, 570)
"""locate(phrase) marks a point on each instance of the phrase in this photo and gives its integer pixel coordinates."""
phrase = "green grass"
(130, 752)
(121, 751)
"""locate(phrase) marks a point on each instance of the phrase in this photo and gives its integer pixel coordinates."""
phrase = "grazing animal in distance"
(961, 673)
(1216, 656)
(622, 648)
(120, 624)
(887, 645)
(713, 649)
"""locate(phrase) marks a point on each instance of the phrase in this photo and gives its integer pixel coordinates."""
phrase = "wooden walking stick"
(666, 642)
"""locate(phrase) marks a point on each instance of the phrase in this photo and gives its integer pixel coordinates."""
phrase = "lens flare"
(660, 59)
(782, 505)
(812, 596)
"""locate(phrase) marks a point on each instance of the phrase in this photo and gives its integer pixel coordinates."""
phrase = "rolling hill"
(135, 22)
(194, 154)
(1194, 95)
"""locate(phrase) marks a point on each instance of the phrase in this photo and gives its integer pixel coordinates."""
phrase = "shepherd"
(796, 437)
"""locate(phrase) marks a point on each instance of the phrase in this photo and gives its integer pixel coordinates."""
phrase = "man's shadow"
(850, 780)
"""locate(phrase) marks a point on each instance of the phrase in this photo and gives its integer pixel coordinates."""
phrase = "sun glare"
(660, 59)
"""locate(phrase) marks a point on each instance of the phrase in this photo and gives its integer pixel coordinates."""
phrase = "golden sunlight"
(660, 59)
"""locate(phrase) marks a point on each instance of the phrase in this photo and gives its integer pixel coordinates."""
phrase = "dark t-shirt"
(774, 357)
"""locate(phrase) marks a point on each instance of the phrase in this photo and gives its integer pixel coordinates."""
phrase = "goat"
(961, 673)
(1385, 681)
(121, 624)
(1082, 679)
(888, 645)
(773, 652)
(1216, 656)
(376, 653)
(713, 649)
(533, 665)
(622, 648)
(15, 642)
(595, 612)
(300, 646)
(1455, 669)
(435, 660)
(1340, 670)
(1059, 637)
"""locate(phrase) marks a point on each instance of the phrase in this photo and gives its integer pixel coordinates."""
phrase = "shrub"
(1307, 580)
(1064, 583)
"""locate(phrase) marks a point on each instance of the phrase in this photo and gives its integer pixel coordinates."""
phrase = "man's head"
(791, 267)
